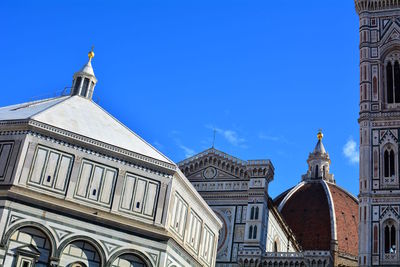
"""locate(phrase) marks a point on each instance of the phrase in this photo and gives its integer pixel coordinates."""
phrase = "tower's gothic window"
(389, 163)
(390, 238)
(392, 78)
(250, 232)
(389, 82)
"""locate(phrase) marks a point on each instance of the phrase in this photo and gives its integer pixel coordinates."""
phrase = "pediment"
(28, 250)
(213, 164)
(212, 173)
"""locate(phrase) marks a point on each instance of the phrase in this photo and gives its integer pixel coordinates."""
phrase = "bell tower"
(379, 195)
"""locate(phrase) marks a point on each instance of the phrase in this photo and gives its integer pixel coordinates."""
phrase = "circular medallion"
(210, 173)
(223, 234)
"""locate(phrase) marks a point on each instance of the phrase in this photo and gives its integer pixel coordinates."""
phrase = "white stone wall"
(275, 233)
(36, 180)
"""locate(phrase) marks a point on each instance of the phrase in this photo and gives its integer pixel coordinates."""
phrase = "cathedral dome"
(322, 215)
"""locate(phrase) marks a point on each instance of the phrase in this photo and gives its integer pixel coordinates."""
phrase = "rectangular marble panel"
(51, 169)
(38, 165)
(151, 198)
(139, 195)
(128, 192)
(63, 173)
(5, 152)
(94, 190)
(108, 186)
(84, 179)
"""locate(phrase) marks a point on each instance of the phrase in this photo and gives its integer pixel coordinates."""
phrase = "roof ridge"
(332, 211)
(55, 104)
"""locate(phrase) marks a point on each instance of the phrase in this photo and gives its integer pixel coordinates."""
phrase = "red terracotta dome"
(322, 215)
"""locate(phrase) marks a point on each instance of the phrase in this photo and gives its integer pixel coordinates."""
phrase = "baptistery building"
(80, 189)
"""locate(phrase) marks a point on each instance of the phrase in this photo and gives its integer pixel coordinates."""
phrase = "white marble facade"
(237, 191)
(77, 188)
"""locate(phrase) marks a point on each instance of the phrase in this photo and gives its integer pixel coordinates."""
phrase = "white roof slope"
(84, 117)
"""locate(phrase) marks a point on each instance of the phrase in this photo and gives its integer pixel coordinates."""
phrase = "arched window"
(80, 252)
(390, 238)
(250, 232)
(275, 246)
(29, 236)
(397, 82)
(389, 82)
(316, 171)
(389, 163)
(252, 213)
(255, 232)
(257, 211)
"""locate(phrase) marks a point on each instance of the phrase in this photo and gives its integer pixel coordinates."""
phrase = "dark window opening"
(250, 232)
(397, 82)
(77, 85)
(316, 171)
(137, 205)
(85, 87)
(275, 246)
(94, 192)
(389, 163)
(48, 178)
(252, 213)
(255, 232)
(257, 211)
(390, 239)
(389, 81)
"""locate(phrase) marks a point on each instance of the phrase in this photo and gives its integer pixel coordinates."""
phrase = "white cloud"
(230, 135)
(188, 151)
(350, 151)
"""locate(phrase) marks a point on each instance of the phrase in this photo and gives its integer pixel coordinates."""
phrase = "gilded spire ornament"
(91, 54)
(320, 135)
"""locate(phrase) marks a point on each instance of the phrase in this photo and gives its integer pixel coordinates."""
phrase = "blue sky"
(266, 74)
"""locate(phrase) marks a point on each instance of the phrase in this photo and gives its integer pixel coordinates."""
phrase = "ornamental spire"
(319, 162)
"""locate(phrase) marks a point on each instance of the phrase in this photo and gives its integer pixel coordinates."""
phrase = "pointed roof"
(319, 148)
(83, 117)
(87, 68)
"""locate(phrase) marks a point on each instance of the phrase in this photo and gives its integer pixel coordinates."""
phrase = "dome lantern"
(319, 162)
(85, 80)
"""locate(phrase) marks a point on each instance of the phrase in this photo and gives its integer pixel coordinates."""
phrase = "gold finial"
(91, 54)
(320, 135)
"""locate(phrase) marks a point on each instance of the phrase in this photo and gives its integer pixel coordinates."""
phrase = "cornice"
(85, 150)
(48, 130)
(375, 5)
